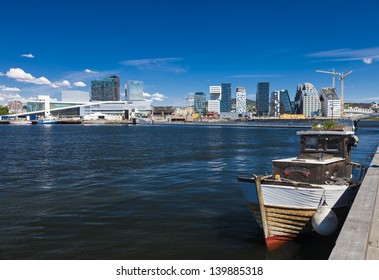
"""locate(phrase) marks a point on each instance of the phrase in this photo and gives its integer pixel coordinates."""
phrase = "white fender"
(325, 221)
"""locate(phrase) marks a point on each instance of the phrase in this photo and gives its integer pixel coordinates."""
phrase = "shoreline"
(270, 123)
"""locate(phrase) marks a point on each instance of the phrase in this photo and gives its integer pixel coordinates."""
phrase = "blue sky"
(181, 47)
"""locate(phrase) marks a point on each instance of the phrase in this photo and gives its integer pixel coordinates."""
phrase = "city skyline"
(179, 48)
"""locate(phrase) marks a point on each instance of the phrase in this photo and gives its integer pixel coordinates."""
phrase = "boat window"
(321, 144)
(332, 144)
(311, 143)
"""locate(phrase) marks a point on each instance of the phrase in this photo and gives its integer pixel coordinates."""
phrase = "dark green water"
(140, 192)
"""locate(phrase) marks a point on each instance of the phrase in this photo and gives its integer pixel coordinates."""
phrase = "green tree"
(329, 125)
(4, 110)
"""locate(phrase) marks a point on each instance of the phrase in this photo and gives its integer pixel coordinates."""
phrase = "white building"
(75, 96)
(307, 101)
(235, 115)
(240, 100)
(128, 109)
(311, 105)
(125, 109)
(214, 106)
(330, 103)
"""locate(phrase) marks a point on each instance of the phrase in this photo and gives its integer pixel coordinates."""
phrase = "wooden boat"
(307, 193)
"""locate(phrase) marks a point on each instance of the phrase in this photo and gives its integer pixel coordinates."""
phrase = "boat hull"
(46, 122)
(285, 211)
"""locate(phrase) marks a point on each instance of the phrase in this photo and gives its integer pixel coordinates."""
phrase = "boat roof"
(326, 132)
(311, 161)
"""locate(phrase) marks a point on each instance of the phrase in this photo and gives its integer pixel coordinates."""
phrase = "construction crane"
(334, 73)
(342, 78)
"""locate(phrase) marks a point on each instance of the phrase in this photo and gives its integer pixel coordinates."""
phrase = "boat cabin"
(324, 158)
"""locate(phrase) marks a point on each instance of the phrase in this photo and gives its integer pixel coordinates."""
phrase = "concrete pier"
(359, 237)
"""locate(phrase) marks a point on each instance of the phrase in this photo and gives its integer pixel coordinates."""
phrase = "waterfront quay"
(262, 122)
(359, 236)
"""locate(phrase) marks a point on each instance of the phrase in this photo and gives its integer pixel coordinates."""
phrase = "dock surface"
(359, 237)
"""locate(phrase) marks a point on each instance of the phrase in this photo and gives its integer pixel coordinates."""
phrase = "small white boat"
(48, 120)
(307, 193)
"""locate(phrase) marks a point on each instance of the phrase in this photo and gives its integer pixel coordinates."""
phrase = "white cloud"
(80, 84)
(368, 60)
(21, 76)
(159, 97)
(29, 55)
(165, 64)
(5, 88)
(154, 97)
(64, 83)
(5, 97)
(368, 55)
(90, 71)
(1, 74)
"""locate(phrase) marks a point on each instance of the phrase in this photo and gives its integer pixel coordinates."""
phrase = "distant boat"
(307, 193)
(20, 122)
(48, 120)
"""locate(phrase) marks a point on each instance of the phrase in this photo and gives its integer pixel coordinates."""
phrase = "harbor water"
(141, 192)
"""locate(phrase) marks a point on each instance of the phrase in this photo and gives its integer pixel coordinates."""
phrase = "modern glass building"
(107, 89)
(280, 103)
(59, 108)
(66, 109)
(240, 100)
(307, 101)
(226, 97)
(133, 90)
(263, 99)
(199, 103)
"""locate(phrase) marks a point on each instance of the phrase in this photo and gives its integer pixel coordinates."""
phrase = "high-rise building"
(263, 99)
(215, 92)
(107, 89)
(133, 90)
(280, 103)
(214, 99)
(307, 101)
(226, 97)
(199, 103)
(214, 106)
(330, 103)
(240, 100)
